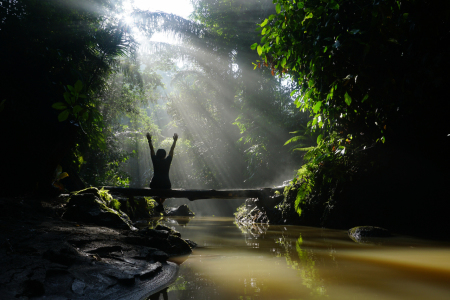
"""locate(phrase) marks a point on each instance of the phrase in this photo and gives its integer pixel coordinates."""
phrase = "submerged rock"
(365, 234)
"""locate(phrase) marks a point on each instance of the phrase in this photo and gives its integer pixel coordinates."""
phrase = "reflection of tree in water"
(291, 249)
(252, 229)
(306, 265)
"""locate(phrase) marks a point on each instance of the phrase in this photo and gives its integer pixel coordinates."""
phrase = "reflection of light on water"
(306, 263)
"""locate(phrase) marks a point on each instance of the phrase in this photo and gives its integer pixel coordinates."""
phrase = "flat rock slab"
(45, 257)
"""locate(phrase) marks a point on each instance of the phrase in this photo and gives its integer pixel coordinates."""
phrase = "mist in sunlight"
(231, 119)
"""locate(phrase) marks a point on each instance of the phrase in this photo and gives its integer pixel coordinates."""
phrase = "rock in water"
(88, 208)
(182, 211)
(362, 234)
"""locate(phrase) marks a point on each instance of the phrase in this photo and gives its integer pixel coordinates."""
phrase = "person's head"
(161, 153)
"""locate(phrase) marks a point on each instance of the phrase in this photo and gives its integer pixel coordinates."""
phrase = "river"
(294, 262)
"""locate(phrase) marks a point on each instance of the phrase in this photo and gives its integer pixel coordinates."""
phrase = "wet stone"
(362, 234)
(78, 287)
(182, 210)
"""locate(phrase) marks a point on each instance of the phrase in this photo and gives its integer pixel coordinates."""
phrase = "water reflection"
(289, 262)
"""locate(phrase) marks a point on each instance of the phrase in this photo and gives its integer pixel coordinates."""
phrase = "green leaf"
(59, 106)
(365, 98)
(77, 109)
(253, 47)
(70, 88)
(263, 32)
(277, 40)
(293, 92)
(319, 139)
(295, 138)
(63, 116)
(67, 97)
(78, 86)
(316, 107)
(283, 62)
(347, 98)
(264, 23)
(278, 8)
(309, 16)
(259, 49)
(334, 5)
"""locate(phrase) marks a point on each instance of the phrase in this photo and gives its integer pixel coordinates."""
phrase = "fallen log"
(195, 194)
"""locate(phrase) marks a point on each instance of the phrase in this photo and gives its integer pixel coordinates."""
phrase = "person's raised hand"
(149, 137)
(175, 136)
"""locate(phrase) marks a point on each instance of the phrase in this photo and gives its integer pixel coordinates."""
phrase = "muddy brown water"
(294, 262)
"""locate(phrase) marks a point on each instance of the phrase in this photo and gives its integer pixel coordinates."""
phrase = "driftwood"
(195, 194)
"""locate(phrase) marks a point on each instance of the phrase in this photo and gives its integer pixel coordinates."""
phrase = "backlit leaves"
(347, 98)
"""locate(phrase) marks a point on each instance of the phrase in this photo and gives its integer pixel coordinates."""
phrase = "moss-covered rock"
(90, 208)
(140, 207)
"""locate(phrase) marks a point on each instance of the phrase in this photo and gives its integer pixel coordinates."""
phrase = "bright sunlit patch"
(182, 8)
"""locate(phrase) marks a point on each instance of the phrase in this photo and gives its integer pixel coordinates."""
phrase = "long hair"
(161, 153)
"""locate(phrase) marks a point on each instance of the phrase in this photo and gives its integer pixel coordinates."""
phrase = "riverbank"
(399, 215)
(45, 256)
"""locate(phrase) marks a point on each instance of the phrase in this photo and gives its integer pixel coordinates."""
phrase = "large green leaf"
(67, 97)
(63, 116)
(347, 98)
(316, 107)
(78, 86)
(77, 109)
(319, 139)
(264, 23)
(59, 106)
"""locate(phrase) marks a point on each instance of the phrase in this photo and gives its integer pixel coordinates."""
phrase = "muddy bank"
(45, 256)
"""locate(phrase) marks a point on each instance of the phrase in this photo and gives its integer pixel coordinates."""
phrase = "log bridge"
(265, 195)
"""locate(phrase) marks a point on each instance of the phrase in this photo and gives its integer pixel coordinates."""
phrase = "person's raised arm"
(175, 138)
(149, 138)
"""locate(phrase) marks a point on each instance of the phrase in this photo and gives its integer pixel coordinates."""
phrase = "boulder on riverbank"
(89, 208)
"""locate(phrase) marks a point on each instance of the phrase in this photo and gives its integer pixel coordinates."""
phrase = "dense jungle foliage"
(69, 79)
(372, 74)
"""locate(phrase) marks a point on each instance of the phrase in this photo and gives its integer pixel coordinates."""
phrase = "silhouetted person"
(161, 166)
